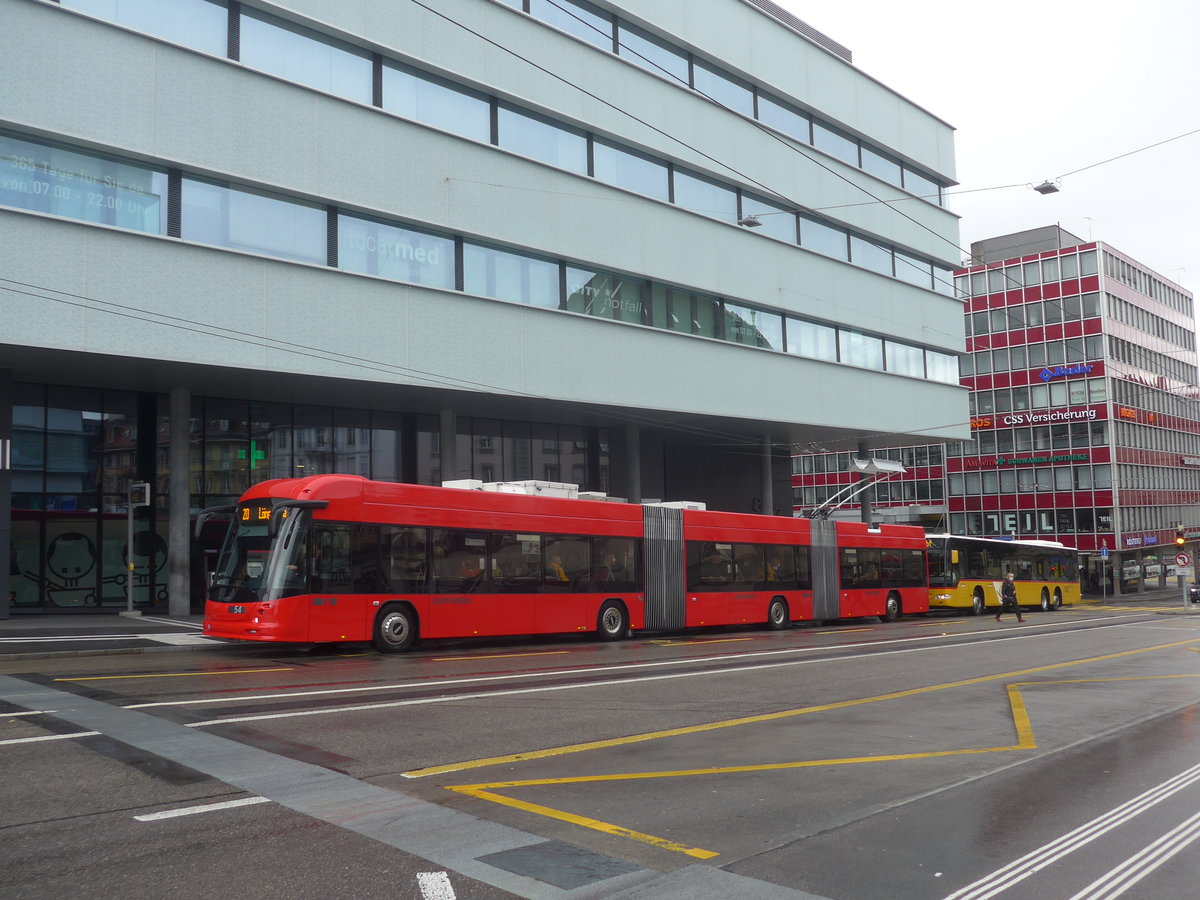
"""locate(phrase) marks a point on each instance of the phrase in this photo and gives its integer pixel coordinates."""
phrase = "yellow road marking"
(1021, 723)
(766, 717)
(498, 656)
(179, 674)
(843, 630)
(585, 822)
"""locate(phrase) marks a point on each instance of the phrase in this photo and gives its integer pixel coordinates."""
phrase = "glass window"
(59, 182)
(880, 165)
(303, 56)
(1015, 316)
(999, 320)
(1055, 353)
(578, 18)
(431, 101)
(835, 143)
(1070, 266)
(389, 251)
(812, 340)
(1072, 309)
(510, 276)
(704, 196)
(943, 280)
(707, 320)
(870, 255)
(776, 221)
(904, 359)
(941, 367)
(1077, 395)
(746, 325)
(1033, 273)
(1091, 305)
(730, 92)
(857, 349)
(543, 140)
(630, 170)
(1096, 393)
(1017, 358)
(980, 322)
(822, 237)
(1087, 263)
(198, 24)
(780, 115)
(1013, 277)
(913, 270)
(926, 188)
(604, 295)
(1049, 270)
(1034, 315)
(257, 223)
(651, 53)
(1054, 311)
(670, 308)
(995, 281)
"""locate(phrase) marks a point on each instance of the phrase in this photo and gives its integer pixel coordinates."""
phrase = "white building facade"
(643, 246)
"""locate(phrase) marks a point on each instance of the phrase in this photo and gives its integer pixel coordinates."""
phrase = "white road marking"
(435, 886)
(1127, 874)
(47, 737)
(194, 810)
(1031, 863)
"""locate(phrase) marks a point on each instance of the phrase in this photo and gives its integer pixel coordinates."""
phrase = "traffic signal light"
(1180, 538)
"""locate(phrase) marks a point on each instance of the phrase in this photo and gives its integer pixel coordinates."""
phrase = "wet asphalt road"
(856, 760)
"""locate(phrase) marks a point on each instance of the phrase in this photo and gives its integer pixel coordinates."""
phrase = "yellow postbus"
(966, 572)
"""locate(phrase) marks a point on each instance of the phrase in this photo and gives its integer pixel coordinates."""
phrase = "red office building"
(1082, 369)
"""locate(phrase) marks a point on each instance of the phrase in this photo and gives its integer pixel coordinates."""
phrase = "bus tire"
(612, 623)
(395, 628)
(978, 604)
(1046, 605)
(778, 616)
(891, 609)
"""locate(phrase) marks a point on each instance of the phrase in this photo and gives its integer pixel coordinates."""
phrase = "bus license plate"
(237, 610)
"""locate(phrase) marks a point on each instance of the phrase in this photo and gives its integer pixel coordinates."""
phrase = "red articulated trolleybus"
(341, 558)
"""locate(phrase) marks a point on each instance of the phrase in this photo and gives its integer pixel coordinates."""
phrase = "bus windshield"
(245, 557)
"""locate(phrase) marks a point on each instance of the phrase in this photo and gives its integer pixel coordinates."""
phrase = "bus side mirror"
(210, 512)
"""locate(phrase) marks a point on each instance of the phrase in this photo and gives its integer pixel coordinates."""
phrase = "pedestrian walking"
(1008, 598)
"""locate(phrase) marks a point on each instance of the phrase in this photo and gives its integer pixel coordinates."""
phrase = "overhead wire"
(357, 361)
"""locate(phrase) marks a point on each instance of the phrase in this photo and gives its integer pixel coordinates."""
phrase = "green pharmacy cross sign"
(256, 456)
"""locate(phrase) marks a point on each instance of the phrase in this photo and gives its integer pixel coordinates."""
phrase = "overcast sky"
(1037, 89)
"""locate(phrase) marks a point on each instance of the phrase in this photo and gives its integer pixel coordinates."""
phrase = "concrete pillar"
(768, 481)
(179, 503)
(633, 463)
(864, 499)
(448, 442)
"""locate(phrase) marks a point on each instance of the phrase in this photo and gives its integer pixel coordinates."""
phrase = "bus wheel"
(1046, 605)
(778, 617)
(613, 622)
(891, 610)
(395, 629)
(977, 603)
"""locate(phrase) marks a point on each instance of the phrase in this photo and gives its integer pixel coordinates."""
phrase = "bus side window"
(405, 549)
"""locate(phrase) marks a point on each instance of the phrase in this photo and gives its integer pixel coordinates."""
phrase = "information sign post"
(139, 495)
(1183, 562)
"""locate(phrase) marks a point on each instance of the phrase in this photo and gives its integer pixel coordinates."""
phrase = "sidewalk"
(76, 634)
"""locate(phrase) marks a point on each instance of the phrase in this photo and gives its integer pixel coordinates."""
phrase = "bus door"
(710, 584)
(861, 589)
(334, 610)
